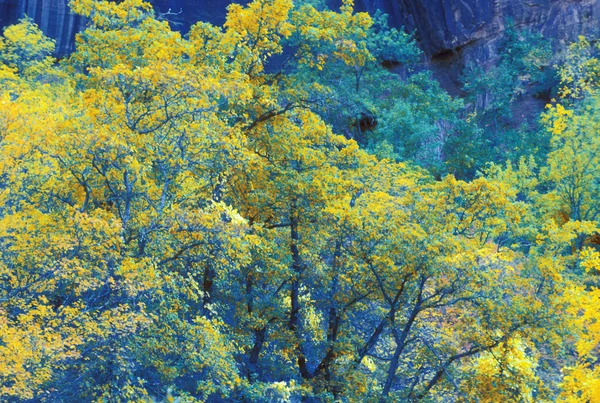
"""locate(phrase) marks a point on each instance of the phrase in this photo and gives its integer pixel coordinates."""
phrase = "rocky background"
(450, 32)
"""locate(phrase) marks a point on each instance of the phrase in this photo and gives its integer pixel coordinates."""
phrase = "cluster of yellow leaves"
(345, 34)
(559, 196)
(507, 372)
(24, 48)
(580, 73)
(110, 15)
(581, 382)
(33, 346)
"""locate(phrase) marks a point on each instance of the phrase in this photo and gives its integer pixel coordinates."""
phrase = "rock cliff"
(454, 32)
(445, 27)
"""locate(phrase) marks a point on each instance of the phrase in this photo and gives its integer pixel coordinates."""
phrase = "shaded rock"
(454, 32)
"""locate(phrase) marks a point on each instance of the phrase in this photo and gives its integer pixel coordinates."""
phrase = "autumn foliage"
(179, 221)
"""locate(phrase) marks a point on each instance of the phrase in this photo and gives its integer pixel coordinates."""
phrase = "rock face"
(455, 32)
(447, 26)
(450, 32)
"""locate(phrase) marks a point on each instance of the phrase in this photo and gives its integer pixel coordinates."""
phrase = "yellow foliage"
(24, 47)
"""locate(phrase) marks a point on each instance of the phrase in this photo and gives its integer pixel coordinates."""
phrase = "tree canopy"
(188, 218)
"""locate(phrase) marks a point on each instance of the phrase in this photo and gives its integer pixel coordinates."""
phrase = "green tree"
(523, 69)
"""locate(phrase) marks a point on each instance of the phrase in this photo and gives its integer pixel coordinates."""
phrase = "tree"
(24, 47)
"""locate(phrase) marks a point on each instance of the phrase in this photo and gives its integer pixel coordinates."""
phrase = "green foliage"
(406, 119)
(523, 69)
(418, 120)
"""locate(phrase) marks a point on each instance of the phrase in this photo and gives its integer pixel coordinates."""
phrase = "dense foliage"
(192, 219)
